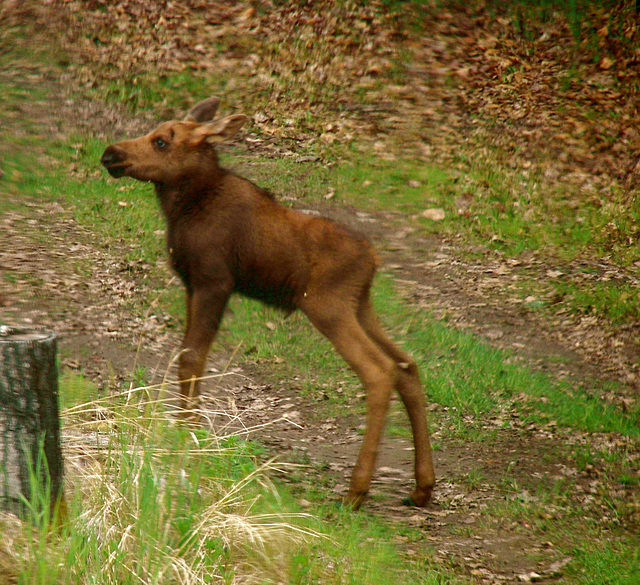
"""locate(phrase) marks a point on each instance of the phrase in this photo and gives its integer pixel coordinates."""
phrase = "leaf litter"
(467, 62)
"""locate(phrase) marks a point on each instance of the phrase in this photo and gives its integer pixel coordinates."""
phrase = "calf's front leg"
(205, 306)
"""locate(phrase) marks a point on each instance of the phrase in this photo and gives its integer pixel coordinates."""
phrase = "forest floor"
(63, 278)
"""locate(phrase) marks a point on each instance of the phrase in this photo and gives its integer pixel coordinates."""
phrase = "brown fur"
(227, 235)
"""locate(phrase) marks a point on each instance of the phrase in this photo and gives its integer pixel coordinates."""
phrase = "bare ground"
(100, 335)
(93, 308)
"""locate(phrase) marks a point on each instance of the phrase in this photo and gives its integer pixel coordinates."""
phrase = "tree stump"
(30, 450)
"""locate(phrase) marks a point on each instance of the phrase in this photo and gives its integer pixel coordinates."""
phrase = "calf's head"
(175, 152)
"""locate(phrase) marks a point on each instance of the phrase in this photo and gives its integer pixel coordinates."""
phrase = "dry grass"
(153, 501)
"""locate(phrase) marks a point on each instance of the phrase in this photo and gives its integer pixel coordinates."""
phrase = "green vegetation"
(469, 379)
(164, 503)
(152, 502)
(465, 374)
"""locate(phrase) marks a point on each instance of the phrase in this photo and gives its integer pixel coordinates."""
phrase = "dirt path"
(94, 315)
(62, 279)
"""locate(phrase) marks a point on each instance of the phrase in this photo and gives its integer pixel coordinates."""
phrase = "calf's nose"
(110, 156)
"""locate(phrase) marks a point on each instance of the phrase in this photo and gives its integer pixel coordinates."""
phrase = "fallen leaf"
(434, 214)
(530, 577)
(555, 568)
(606, 63)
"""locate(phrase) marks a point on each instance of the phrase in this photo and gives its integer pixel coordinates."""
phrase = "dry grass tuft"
(152, 501)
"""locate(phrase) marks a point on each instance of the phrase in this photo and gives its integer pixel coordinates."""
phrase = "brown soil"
(101, 334)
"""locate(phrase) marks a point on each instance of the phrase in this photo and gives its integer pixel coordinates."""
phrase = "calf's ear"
(220, 130)
(203, 111)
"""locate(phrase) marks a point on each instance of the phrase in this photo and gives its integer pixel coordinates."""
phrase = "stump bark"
(30, 452)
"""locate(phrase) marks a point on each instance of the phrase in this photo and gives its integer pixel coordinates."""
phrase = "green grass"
(76, 389)
(160, 503)
(140, 514)
(608, 564)
(460, 370)
(463, 372)
(506, 211)
(615, 301)
(148, 89)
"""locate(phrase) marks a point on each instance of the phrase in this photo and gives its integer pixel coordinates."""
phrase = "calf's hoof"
(419, 498)
(190, 417)
(353, 501)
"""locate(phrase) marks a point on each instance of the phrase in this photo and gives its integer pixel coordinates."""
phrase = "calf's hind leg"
(376, 370)
(410, 389)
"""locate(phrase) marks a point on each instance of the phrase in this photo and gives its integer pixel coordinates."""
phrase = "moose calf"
(227, 235)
